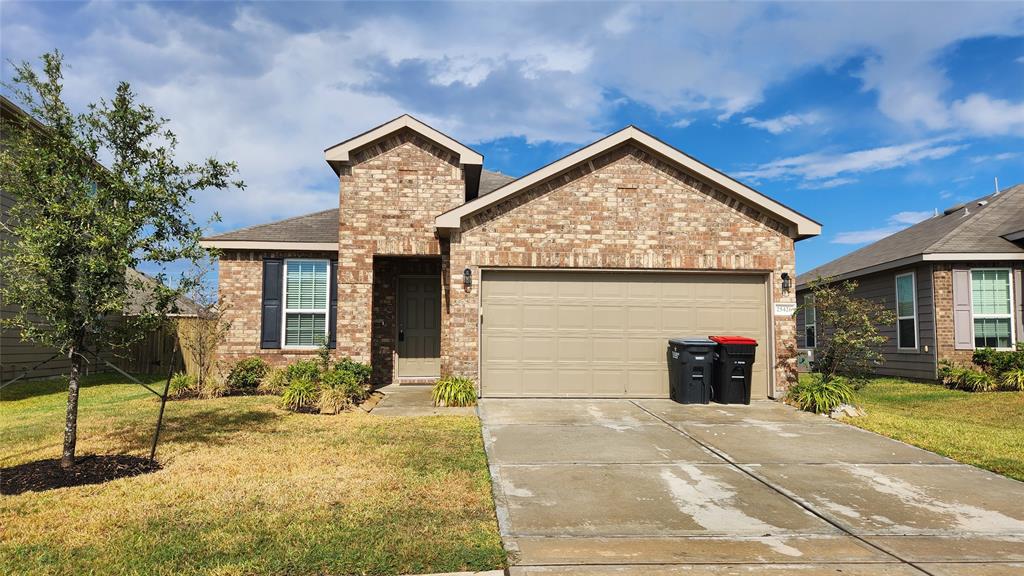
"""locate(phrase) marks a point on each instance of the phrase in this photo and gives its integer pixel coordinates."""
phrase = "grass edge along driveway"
(983, 429)
(246, 487)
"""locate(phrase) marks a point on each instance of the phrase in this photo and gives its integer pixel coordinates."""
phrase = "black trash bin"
(690, 362)
(734, 360)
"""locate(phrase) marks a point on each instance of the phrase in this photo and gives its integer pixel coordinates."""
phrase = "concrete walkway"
(414, 400)
(653, 487)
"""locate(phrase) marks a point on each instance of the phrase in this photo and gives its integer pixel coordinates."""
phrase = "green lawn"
(985, 429)
(246, 488)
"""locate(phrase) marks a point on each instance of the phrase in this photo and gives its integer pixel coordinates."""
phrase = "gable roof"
(316, 231)
(801, 226)
(338, 155)
(982, 229)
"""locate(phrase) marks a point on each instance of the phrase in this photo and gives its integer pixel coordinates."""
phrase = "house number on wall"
(785, 309)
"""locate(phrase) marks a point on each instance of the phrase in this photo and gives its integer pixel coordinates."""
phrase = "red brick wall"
(389, 198)
(626, 209)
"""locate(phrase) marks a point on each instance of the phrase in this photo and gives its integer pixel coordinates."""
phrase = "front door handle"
(401, 335)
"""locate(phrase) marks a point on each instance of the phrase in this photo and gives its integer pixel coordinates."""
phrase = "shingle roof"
(491, 181)
(316, 227)
(322, 227)
(977, 227)
(139, 295)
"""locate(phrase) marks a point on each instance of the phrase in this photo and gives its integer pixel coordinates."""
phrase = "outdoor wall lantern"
(785, 282)
(467, 278)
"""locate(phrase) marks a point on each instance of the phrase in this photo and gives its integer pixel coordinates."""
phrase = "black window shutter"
(273, 281)
(332, 318)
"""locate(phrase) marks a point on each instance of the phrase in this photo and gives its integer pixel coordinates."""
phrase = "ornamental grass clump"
(820, 394)
(318, 385)
(454, 391)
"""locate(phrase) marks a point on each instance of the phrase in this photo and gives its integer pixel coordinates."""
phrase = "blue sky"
(865, 117)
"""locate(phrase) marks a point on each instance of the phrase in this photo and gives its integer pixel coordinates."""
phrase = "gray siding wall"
(881, 287)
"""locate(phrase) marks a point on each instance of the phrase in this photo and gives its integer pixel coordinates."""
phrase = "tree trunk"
(67, 459)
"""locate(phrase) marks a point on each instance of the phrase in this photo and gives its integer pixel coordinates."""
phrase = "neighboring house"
(954, 281)
(565, 282)
(28, 359)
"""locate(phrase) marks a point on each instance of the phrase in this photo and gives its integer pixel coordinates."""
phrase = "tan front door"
(605, 334)
(419, 326)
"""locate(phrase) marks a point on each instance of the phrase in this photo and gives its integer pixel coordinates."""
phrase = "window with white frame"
(992, 306)
(906, 312)
(810, 322)
(305, 303)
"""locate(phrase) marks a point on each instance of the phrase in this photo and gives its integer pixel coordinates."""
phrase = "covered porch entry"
(406, 335)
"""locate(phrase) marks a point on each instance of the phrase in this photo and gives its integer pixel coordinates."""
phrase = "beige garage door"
(604, 334)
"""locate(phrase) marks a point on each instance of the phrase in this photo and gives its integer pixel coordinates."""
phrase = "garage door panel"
(539, 349)
(541, 316)
(573, 316)
(581, 334)
(504, 316)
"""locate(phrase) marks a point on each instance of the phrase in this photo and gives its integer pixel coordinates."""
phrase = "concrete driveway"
(653, 487)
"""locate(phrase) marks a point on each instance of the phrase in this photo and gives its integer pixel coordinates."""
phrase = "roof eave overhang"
(801, 227)
(339, 155)
(269, 245)
(928, 257)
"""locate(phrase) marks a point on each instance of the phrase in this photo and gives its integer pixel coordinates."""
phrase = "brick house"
(954, 281)
(565, 282)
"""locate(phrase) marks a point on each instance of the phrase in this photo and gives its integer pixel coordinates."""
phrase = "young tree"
(848, 338)
(201, 336)
(95, 193)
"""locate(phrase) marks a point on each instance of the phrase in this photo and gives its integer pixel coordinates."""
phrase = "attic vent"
(952, 209)
(982, 202)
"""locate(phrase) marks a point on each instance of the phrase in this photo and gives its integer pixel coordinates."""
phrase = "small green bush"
(968, 379)
(454, 391)
(820, 395)
(303, 370)
(1012, 380)
(274, 382)
(997, 362)
(181, 386)
(300, 394)
(246, 374)
(361, 371)
(339, 390)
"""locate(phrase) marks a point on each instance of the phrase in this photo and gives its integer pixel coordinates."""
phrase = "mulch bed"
(47, 474)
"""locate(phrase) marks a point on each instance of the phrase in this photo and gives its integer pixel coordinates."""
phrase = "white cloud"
(819, 166)
(1000, 157)
(271, 92)
(826, 184)
(897, 222)
(783, 123)
(682, 123)
(990, 116)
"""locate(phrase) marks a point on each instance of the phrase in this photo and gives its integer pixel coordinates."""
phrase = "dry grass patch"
(247, 487)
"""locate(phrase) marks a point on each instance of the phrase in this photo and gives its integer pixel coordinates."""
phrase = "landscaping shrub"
(968, 379)
(996, 362)
(339, 390)
(300, 394)
(246, 374)
(274, 382)
(182, 385)
(1012, 380)
(454, 391)
(361, 371)
(820, 394)
(303, 370)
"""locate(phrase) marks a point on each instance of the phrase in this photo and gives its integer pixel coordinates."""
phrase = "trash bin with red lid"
(733, 363)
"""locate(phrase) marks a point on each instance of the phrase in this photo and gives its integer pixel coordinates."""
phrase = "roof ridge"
(282, 221)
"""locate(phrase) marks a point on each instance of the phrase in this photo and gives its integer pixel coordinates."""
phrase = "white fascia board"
(802, 226)
(258, 245)
(339, 153)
